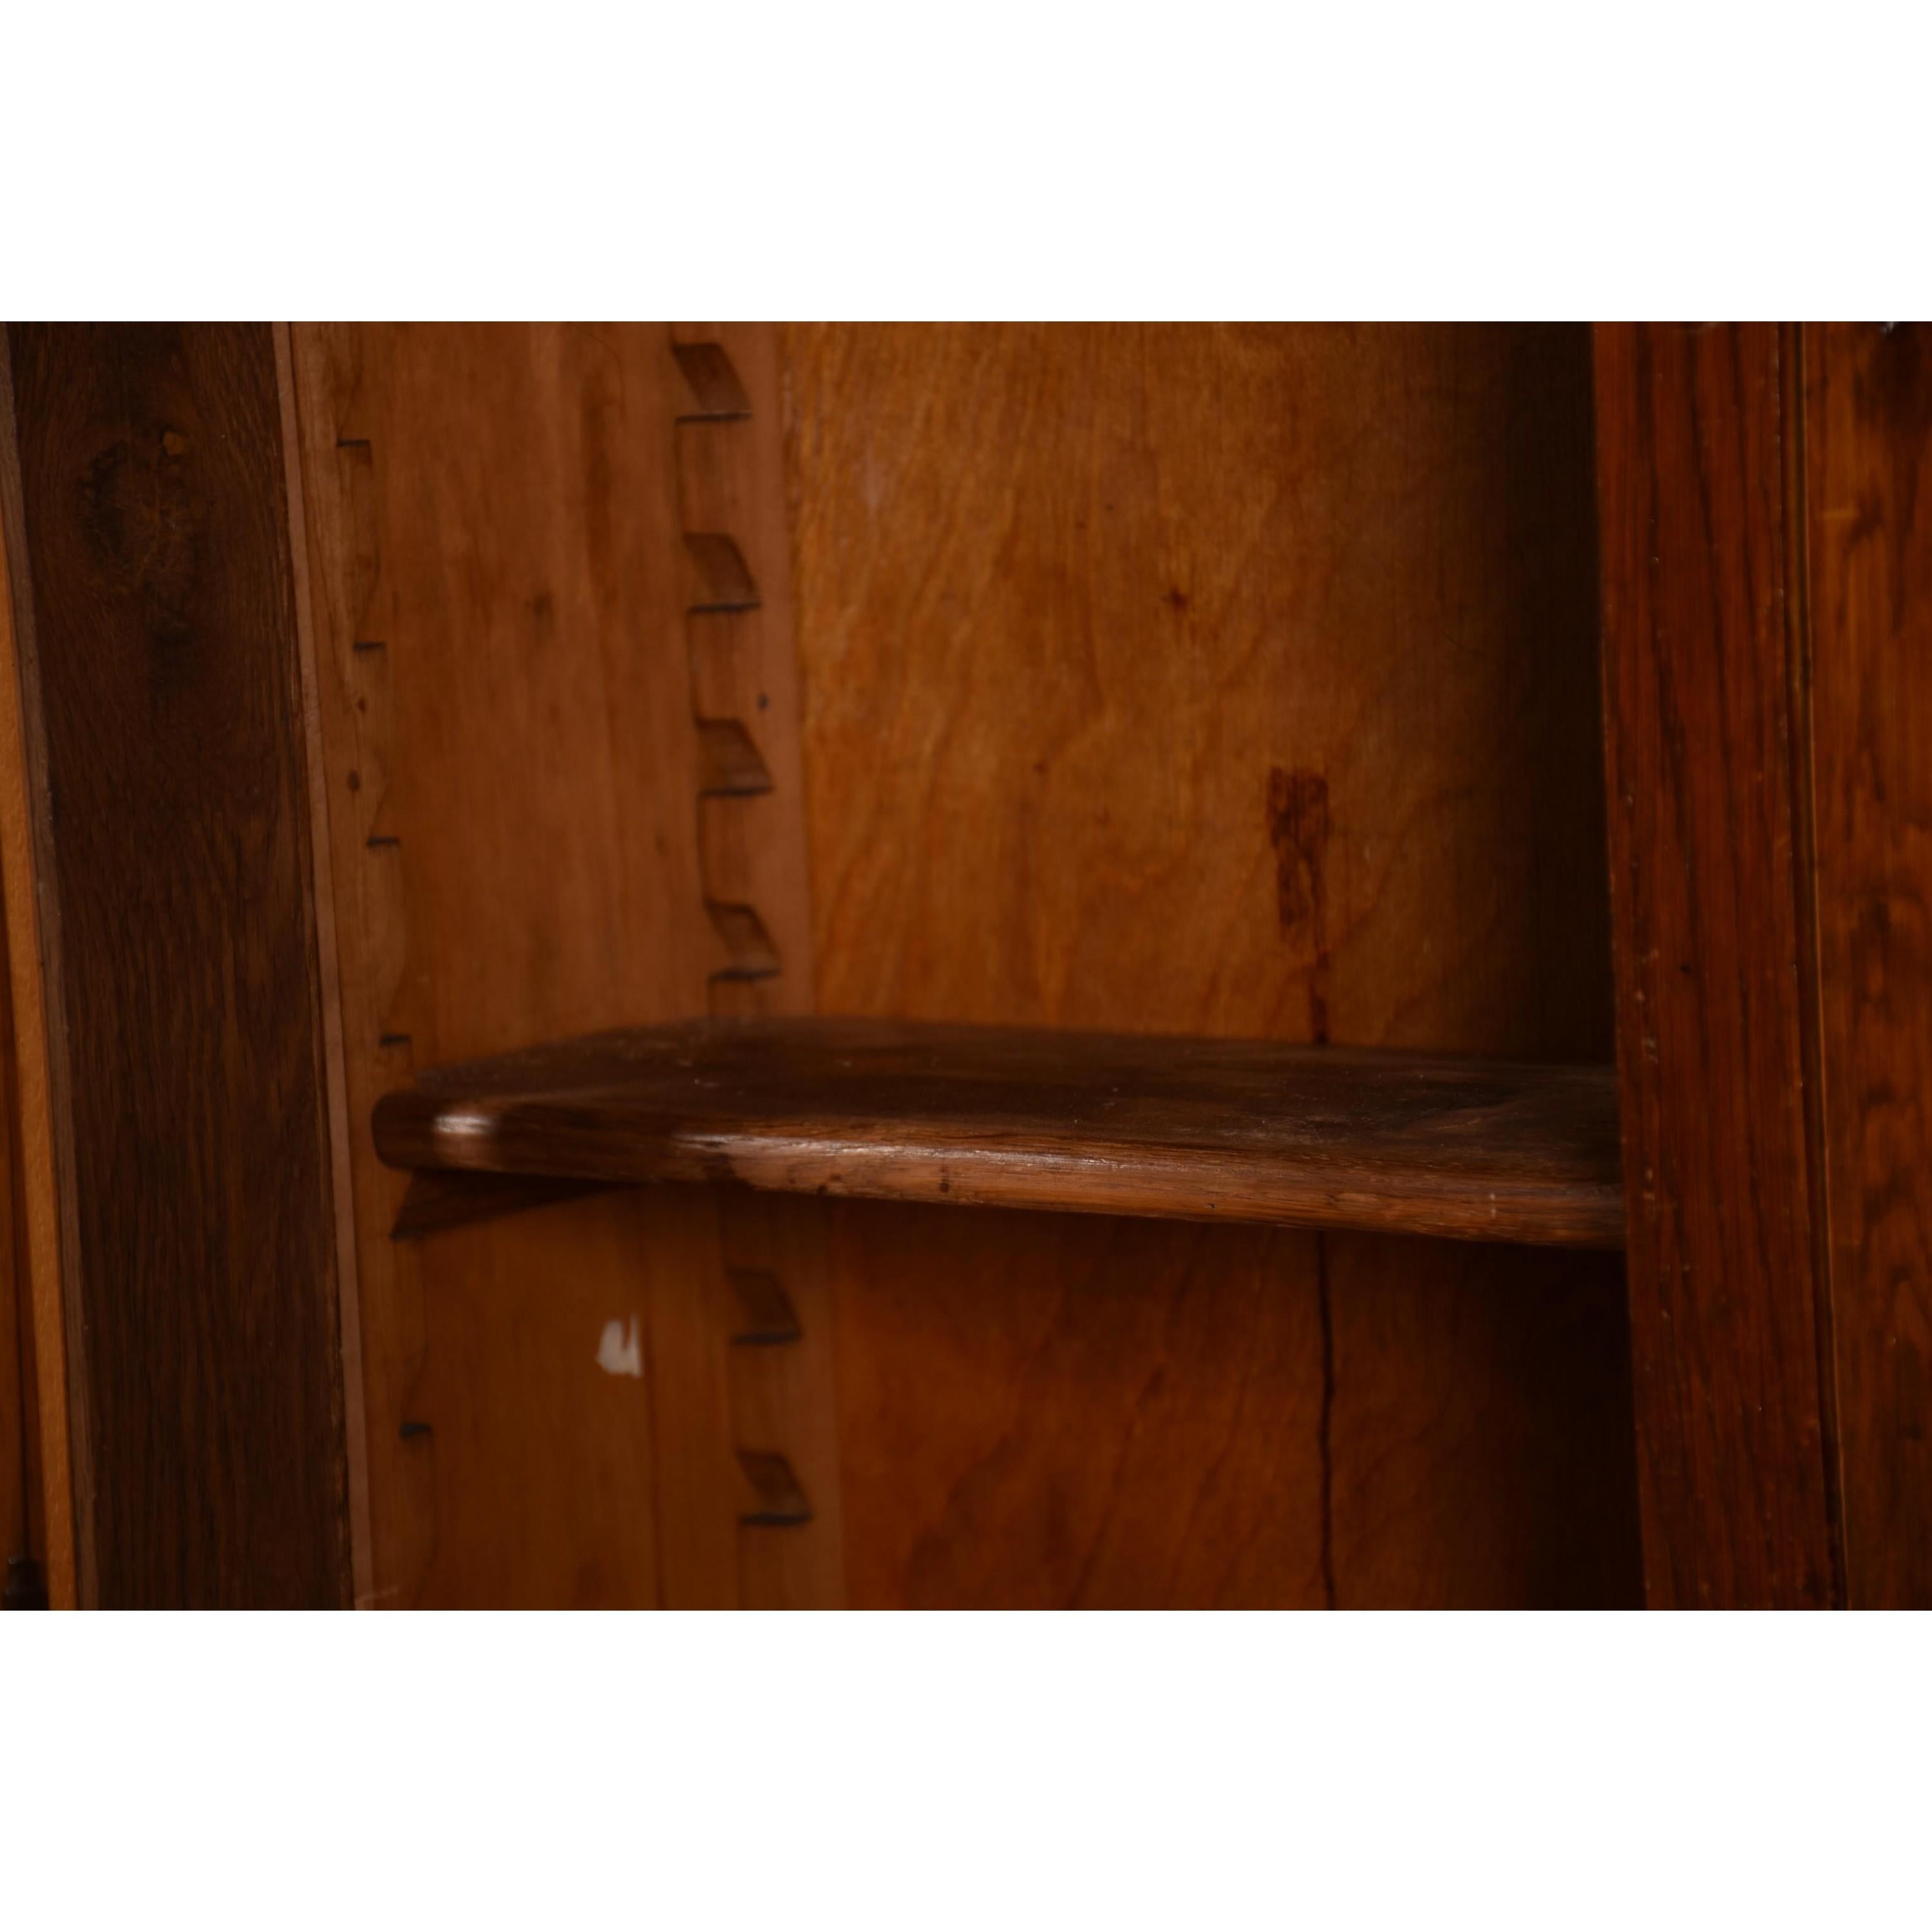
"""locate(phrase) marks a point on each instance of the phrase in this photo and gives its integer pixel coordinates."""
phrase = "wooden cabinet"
(732, 964)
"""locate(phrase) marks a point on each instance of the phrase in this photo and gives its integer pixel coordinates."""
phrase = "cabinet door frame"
(1764, 624)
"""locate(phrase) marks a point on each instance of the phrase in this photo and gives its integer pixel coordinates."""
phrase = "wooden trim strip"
(729, 455)
(335, 1065)
(33, 1001)
(208, 1452)
(1732, 1420)
(1868, 502)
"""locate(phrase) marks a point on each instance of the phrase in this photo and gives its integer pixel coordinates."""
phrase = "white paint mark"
(620, 1353)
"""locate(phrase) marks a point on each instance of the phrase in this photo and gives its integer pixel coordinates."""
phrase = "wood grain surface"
(23, 1525)
(1868, 411)
(1696, 461)
(1120, 1413)
(521, 813)
(204, 1366)
(779, 1395)
(340, 1137)
(44, 1528)
(1233, 683)
(1016, 1116)
(491, 529)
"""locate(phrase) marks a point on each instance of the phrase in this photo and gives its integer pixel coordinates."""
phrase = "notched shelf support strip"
(735, 634)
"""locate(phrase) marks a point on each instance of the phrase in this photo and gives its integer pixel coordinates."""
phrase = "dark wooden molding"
(161, 671)
(1867, 497)
(1703, 621)
(43, 1123)
(1187, 1129)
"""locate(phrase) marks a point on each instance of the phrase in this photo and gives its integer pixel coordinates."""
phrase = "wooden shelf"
(1191, 1129)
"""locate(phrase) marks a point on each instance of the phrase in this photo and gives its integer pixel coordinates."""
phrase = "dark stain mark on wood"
(1298, 818)
(1326, 1442)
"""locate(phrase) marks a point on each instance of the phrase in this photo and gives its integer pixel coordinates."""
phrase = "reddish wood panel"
(1019, 1116)
(492, 541)
(532, 1415)
(1868, 419)
(530, 839)
(160, 660)
(1117, 1414)
(1695, 466)
(1226, 682)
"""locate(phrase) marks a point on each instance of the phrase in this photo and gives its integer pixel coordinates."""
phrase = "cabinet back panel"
(1243, 682)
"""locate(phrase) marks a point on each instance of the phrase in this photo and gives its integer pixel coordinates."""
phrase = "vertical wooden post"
(1868, 517)
(1702, 566)
(40, 1556)
(159, 680)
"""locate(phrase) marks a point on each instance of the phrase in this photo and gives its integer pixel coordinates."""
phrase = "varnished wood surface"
(45, 1523)
(491, 528)
(1082, 1440)
(1120, 1416)
(532, 818)
(1868, 396)
(340, 1139)
(1095, 1124)
(204, 1348)
(1695, 465)
(1220, 682)
(22, 1527)
(779, 1398)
